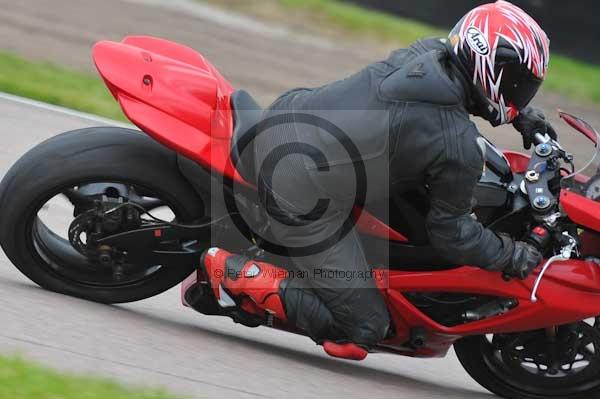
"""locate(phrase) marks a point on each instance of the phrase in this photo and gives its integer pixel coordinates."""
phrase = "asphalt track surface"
(157, 342)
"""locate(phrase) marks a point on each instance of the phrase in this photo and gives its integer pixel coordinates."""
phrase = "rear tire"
(82, 156)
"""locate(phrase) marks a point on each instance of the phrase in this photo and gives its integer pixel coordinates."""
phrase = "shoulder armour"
(422, 79)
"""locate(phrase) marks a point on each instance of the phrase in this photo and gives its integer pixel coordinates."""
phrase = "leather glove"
(524, 260)
(530, 121)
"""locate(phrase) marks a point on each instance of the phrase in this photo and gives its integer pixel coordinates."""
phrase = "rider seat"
(247, 113)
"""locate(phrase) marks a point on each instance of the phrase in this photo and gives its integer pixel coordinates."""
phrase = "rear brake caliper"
(106, 216)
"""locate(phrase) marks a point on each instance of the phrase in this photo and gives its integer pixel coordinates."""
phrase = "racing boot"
(348, 350)
(254, 286)
(257, 288)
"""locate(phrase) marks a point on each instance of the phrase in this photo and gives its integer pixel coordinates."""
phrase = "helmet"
(505, 53)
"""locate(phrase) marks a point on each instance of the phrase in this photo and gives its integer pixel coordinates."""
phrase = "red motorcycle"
(143, 207)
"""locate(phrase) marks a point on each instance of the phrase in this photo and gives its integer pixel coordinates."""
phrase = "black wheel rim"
(58, 255)
(550, 363)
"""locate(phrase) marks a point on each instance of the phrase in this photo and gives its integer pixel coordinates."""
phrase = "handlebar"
(540, 138)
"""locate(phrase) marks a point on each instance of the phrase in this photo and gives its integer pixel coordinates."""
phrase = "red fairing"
(570, 291)
(173, 94)
(517, 161)
(580, 209)
(369, 224)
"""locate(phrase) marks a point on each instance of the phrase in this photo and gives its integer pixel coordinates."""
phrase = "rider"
(491, 66)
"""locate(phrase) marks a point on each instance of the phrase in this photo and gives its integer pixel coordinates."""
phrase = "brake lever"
(565, 254)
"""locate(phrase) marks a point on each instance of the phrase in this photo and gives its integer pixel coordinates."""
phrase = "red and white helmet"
(506, 53)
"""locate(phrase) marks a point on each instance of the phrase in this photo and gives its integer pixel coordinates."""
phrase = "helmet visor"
(519, 85)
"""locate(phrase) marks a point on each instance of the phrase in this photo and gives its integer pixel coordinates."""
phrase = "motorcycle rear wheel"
(530, 366)
(74, 159)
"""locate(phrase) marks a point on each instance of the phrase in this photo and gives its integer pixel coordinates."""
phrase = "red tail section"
(173, 94)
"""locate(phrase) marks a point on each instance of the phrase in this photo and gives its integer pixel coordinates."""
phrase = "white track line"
(62, 110)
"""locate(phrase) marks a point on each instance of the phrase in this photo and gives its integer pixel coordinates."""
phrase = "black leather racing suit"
(423, 138)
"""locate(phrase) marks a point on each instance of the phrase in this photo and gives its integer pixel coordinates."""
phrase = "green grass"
(575, 79)
(56, 85)
(20, 379)
(363, 21)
